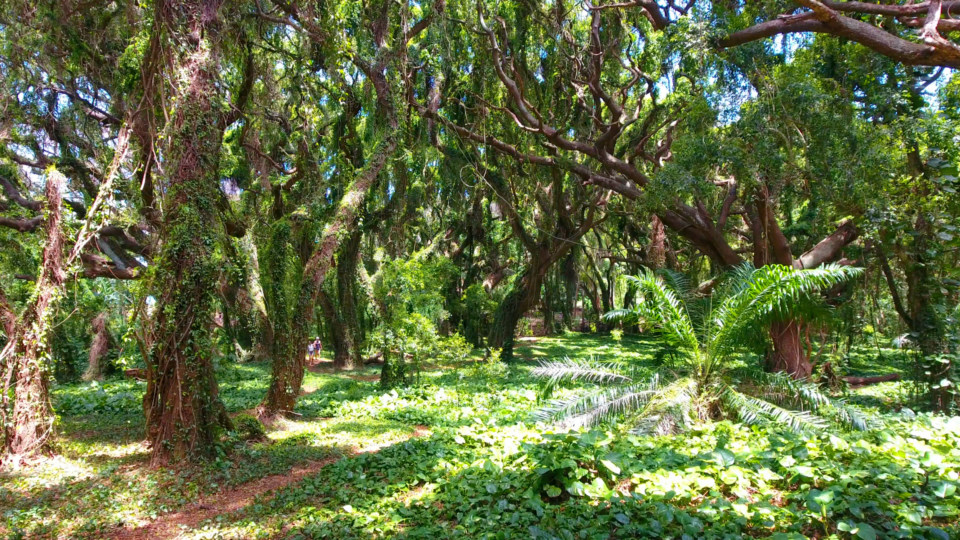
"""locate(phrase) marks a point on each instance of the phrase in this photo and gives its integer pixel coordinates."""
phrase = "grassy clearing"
(482, 469)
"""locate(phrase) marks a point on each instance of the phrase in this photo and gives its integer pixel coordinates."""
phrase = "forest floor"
(460, 456)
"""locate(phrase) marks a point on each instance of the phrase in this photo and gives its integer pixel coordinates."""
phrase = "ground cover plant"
(462, 455)
(479, 268)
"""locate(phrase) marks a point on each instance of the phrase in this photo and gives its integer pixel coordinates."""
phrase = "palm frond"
(668, 411)
(852, 417)
(678, 282)
(624, 315)
(595, 407)
(785, 390)
(661, 308)
(765, 294)
(751, 410)
(580, 370)
(791, 392)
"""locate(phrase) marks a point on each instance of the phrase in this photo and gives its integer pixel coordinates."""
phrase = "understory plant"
(702, 384)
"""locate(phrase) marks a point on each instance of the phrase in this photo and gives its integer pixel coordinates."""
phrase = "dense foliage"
(280, 267)
(482, 467)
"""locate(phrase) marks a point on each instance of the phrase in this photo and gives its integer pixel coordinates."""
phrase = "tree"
(372, 57)
(860, 22)
(99, 347)
(592, 107)
(28, 422)
(702, 386)
(184, 414)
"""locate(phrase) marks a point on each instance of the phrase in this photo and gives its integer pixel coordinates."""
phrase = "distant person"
(317, 346)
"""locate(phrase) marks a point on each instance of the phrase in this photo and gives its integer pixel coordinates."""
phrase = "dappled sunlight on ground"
(460, 456)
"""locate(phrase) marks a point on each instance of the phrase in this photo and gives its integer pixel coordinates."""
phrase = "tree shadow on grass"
(341, 492)
(95, 494)
(632, 347)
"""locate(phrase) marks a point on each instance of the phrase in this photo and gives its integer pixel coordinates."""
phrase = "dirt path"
(188, 518)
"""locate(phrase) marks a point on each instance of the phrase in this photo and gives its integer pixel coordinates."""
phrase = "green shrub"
(248, 427)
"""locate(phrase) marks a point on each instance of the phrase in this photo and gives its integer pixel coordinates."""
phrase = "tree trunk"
(522, 297)
(340, 340)
(657, 248)
(571, 287)
(183, 410)
(287, 373)
(98, 348)
(347, 261)
(926, 325)
(29, 427)
(394, 371)
(788, 355)
(548, 318)
(263, 337)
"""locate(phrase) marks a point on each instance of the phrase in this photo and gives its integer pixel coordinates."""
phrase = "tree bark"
(788, 355)
(340, 340)
(926, 325)
(101, 343)
(521, 298)
(347, 260)
(182, 407)
(28, 427)
(657, 249)
(287, 373)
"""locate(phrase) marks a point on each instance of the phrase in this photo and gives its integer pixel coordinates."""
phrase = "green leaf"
(611, 466)
(723, 457)
(866, 532)
(944, 489)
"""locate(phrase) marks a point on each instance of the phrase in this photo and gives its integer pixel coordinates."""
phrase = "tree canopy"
(188, 188)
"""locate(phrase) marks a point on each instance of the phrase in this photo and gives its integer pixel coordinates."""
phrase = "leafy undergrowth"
(487, 471)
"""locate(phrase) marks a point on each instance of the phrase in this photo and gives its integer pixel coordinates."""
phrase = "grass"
(482, 469)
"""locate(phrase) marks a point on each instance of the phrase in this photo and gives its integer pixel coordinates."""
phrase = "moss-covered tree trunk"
(28, 422)
(287, 370)
(394, 370)
(924, 322)
(571, 287)
(339, 342)
(182, 407)
(349, 357)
